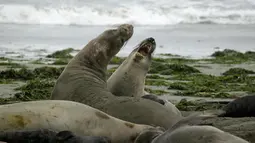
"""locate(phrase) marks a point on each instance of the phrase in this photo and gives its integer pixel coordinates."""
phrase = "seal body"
(56, 115)
(84, 80)
(198, 134)
(129, 77)
(182, 132)
(48, 136)
(240, 107)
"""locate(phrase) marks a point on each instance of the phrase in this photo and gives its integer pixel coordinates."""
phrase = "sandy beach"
(204, 58)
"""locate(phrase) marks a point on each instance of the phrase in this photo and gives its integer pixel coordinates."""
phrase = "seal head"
(142, 55)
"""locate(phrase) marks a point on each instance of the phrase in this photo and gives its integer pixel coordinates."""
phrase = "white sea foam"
(139, 12)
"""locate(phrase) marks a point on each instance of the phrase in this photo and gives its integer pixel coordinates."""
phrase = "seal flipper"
(154, 98)
(24, 136)
(193, 119)
(64, 135)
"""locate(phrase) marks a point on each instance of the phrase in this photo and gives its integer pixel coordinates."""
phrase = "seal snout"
(152, 40)
(147, 47)
(126, 30)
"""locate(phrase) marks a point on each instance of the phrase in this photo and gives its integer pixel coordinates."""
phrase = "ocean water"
(196, 28)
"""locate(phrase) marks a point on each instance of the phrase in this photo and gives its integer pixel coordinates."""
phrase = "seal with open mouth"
(129, 77)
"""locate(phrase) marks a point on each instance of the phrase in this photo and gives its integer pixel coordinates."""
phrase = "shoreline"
(192, 40)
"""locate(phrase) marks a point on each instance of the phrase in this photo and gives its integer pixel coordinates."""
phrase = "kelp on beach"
(173, 72)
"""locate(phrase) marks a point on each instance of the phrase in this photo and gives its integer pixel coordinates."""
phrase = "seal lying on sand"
(84, 80)
(240, 107)
(129, 77)
(60, 115)
(48, 136)
(184, 133)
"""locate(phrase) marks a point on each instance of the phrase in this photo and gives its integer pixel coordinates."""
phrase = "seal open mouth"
(147, 47)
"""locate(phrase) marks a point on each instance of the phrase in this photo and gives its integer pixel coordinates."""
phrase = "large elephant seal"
(129, 77)
(59, 115)
(182, 132)
(240, 107)
(48, 136)
(84, 80)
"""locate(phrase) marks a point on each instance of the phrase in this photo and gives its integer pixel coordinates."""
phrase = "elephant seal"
(63, 115)
(240, 107)
(84, 80)
(129, 77)
(181, 132)
(48, 136)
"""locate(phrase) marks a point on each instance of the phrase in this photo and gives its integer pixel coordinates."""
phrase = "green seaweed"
(156, 92)
(111, 71)
(61, 61)
(66, 53)
(117, 60)
(12, 65)
(227, 53)
(203, 85)
(8, 100)
(4, 59)
(179, 60)
(185, 105)
(228, 56)
(39, 62)
(36, 89)
(26, 74)
(238, 71)
(154, 76)
(168, 69)
(6, 81)
(156, 82)
(169, 54)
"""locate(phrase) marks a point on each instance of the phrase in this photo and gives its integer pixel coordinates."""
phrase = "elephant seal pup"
(129, 77)
(184, 133)
(59, 115)
(84, 80)
(48, 136)
(240, 107)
